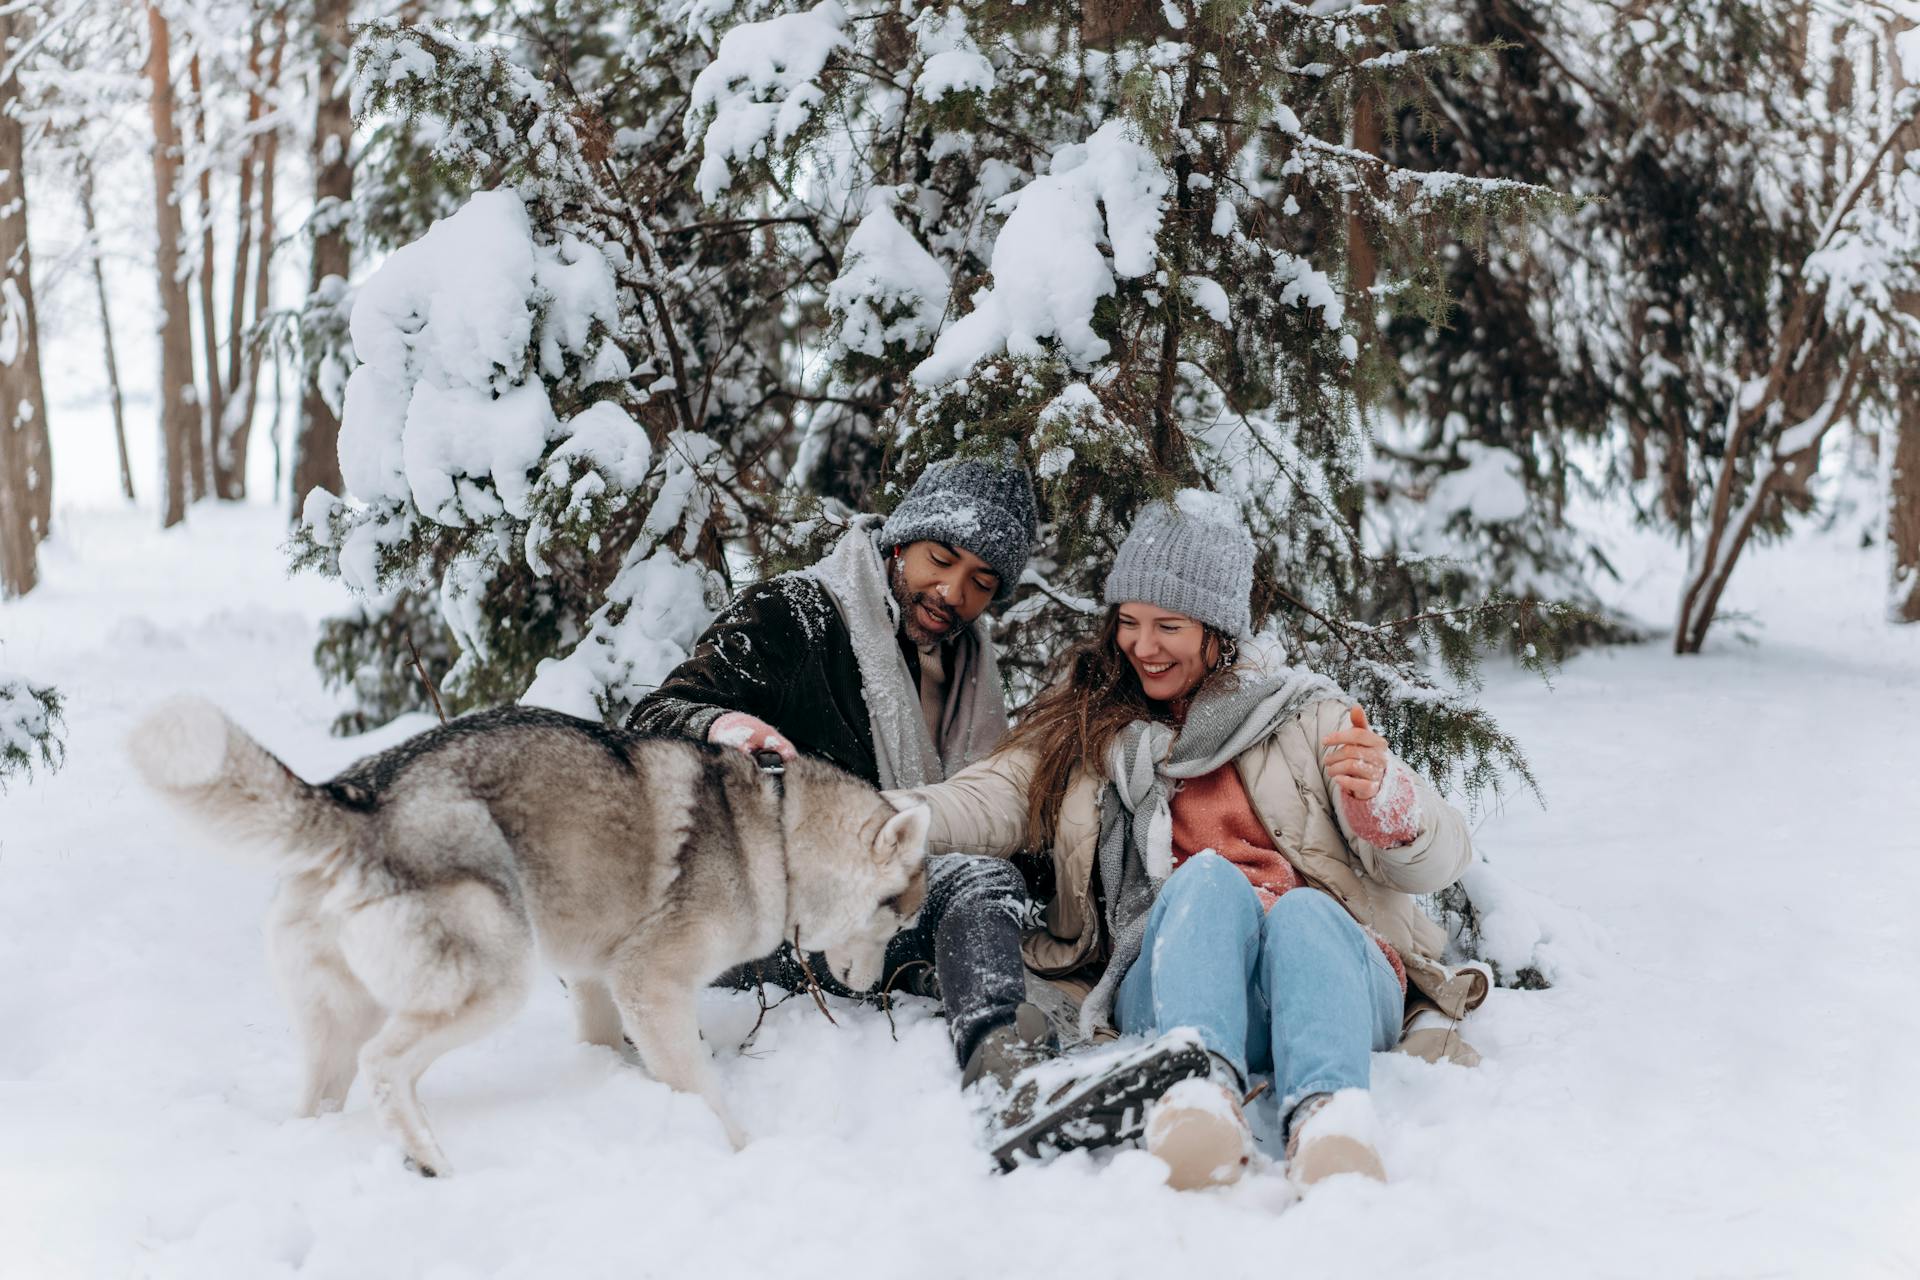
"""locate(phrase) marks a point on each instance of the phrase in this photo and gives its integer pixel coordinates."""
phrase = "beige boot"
(1199, 1130)
(1333, 1133)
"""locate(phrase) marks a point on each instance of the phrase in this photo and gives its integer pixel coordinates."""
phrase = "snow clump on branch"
(954, 63)
(29, 727)
(1048, 271)
(760, 86)
(890, 290)
(457, 334)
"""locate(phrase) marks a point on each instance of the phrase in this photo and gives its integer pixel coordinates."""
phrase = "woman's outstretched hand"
(1376, 791)
(1357, 762)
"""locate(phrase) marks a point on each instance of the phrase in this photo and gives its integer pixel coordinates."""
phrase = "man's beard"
(909, 616)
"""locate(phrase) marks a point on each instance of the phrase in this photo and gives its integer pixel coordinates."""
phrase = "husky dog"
(419, 883)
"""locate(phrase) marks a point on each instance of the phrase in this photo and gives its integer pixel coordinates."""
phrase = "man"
(879, 659)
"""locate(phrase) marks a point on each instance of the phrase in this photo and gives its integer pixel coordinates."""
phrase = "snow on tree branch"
(760, 89)
(30, 727)
(890, 290)
(1048, 268)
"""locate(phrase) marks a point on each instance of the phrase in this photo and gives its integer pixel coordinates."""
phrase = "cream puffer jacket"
(983, 810)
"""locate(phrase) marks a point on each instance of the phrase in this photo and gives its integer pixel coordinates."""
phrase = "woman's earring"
(1229, 652)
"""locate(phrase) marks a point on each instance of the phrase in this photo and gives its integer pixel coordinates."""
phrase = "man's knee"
(972, 884)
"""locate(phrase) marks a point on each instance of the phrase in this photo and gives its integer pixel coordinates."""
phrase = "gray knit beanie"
(983, 507)
(1192, 556)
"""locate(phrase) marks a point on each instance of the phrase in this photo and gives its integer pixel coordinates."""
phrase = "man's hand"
(1376, 791)
(748, 735)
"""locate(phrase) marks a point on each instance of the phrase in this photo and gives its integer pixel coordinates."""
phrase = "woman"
(1234, 850)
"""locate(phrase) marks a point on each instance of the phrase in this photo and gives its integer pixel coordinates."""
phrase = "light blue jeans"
(1299, 990)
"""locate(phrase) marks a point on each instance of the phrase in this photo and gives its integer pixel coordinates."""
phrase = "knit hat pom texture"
(1192, 556)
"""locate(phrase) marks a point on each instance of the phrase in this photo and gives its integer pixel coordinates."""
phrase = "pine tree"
(838, 244)
(1729, 295)
(81, 106)
(1165, 301)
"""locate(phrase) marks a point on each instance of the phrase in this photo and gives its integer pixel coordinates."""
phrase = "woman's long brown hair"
(1075, 721)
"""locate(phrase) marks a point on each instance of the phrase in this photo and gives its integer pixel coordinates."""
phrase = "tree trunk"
(243, 228)
(247, 391)
(1903, 508)
(26, 455)
(232, 427)
(316, 446)
(179, 405)
(18, 562)
(274, 431)
(1903, 463)
(1728, 530)
(106, 327)
(1107, 23)
(207, 478)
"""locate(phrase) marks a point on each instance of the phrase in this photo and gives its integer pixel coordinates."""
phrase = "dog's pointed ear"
(904, 838)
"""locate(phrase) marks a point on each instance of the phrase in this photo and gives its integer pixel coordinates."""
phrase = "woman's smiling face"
(1170, 652)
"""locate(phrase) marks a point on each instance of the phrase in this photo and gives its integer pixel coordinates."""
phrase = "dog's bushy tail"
(189, 751)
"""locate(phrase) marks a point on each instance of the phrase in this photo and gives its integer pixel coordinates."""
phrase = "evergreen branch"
(32, 724)
(1864, 178)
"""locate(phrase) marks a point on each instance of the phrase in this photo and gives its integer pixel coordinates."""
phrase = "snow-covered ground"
(1721, 1085)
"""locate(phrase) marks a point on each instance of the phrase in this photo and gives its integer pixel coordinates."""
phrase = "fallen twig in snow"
(813, 983)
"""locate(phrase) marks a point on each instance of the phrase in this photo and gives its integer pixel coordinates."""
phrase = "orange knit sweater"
(1213, 812)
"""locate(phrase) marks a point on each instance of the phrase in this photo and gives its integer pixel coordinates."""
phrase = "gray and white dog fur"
(418, 885)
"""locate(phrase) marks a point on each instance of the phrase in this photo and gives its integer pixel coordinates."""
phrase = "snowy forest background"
(547, 324)
(605, 306)
(1527, 334)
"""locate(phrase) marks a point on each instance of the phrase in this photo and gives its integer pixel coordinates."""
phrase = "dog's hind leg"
(661, 1011)
(450, 963)
(595, 1013)
(332, 1008)
(393, 1062)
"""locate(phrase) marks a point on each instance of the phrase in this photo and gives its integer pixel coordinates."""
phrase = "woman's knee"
(1208, 884)
(1306, 917)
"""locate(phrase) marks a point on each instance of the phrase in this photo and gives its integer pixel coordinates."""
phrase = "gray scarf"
(974, 718)
(1227, 717)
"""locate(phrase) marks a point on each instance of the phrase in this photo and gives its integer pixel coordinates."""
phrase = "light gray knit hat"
(1193, 556)
(983, 507)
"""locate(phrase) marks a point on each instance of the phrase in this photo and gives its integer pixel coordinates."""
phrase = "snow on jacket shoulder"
(982, 810)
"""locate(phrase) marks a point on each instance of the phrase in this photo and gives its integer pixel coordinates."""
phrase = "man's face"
(939, 588)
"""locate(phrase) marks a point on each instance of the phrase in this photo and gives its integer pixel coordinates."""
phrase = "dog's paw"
(424, 1170)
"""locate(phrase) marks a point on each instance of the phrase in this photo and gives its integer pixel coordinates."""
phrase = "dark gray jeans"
(967, 941)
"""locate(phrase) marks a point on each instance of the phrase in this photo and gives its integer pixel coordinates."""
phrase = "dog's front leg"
(661, 1012)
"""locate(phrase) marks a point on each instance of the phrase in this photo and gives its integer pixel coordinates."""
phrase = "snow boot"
(1006, 1051)
(1096, 1098)
(1198, 1128)
(1331, 1134)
